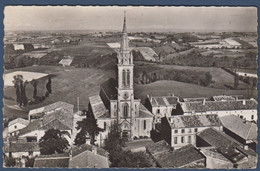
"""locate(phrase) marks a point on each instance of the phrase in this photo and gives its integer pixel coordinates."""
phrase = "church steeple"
(124, 41)
(124, 26)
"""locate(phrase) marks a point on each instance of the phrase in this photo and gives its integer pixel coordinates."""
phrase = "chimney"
(244, 102)
(204, 101)
(94, 150)
(236, 98)
(246, 147)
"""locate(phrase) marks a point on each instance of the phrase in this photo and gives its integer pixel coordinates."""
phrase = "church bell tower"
(126, 105)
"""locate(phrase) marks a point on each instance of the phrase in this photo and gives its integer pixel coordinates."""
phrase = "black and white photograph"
(130, 87)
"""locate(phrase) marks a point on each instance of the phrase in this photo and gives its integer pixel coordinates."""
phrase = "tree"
(48, 86)
(236, 81)
(9, 161)
(20, 86)
(54, 141)
(34, 84)
(88, 126)
(29, 161)
(120, 158)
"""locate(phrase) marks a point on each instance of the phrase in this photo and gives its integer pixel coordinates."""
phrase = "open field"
(27, 76)
(160, 88)
(68, 84)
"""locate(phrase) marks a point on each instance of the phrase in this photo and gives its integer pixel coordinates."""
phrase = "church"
(116, 102)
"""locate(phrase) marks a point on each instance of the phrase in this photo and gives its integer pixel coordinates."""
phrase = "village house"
(228, 147)
(40, 112)
(162, 106)
(21, 149)
(16, 125)
(185, 157)
(243, 108)
(215, 160)
(83, 156)
(181, 130)
(243, 131)
(120, 106)
(61, 119)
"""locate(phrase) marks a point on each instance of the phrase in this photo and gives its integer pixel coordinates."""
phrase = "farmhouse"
(61, 119)
(228, 147)
(16, 125)
(243, 131)
(84, 156)
(40, 112)
(66, 62)
(215, 160)
(243, 108)
(20, 149)
(181, 130)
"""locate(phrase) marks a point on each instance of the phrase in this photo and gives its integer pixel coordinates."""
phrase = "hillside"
(160, 88)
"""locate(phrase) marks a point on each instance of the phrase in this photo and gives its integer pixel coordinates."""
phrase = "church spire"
(124, 26)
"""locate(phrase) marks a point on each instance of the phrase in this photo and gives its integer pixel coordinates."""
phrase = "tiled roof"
(97, 106)
(190, 121)
(61, 119)
(66, 154)
(21, 147)
(212, 152)
(195, 99)
(246, 130)
(144, 113)
(52, 106)
(164, 100)
(158, 147)
(219, 105)
(52, 161)
(88, 159)
(226, 146)
(223, 98)
(179, 158)
(109, 88)
(85, 147)
(18, 120)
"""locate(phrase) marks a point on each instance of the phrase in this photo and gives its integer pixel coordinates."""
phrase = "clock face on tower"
(125, 96)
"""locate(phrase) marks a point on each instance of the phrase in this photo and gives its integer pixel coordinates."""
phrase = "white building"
(40, 112)
(60, 119)
(181, 130)
(16, 125)
(162, 106)
(243, 108)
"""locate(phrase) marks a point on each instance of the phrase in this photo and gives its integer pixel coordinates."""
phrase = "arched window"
(124, 77)
(128, 77)
(126, 110)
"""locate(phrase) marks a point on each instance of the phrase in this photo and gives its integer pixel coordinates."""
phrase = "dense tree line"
(183, 75)
(194, 58)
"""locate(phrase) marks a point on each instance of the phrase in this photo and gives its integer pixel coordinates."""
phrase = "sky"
(138, 18)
